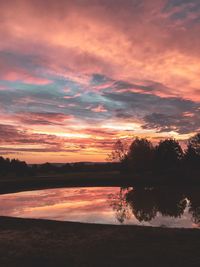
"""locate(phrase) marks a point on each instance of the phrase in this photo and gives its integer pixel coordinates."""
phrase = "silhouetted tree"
(194, 142)
(168, 155)
(192, 153)
(119, 151)
(140, 155)
(119, 154)
(4, 165)
(18, 167)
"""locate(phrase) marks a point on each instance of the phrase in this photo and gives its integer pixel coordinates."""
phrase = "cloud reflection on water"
(109, 205)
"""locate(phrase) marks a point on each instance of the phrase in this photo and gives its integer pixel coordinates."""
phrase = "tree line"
(15, 167)
(142, 156)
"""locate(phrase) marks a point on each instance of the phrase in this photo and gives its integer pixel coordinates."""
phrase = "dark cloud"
(49, 107)
(39, 150)
(150, 103)
(11, 135)
(98, 79)
(180, 123)
(162, 114)
(150, 86)
(120, 113)
(48, 118)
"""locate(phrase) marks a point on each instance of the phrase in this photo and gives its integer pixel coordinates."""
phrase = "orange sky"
(77, 75)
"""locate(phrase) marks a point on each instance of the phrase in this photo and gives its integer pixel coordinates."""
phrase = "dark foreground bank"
(25, 242)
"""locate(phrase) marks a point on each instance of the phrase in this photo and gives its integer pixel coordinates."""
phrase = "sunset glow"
(75, 76)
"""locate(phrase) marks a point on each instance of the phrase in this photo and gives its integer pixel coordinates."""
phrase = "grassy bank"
(81, 179)
(25, 242)
(15, 184)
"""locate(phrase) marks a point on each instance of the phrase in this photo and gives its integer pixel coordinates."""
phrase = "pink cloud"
(25, 78)
(72, 96)
(144, 51)
(99, 108)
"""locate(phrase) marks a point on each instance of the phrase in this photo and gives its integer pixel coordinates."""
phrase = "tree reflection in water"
(142, 203)
(171, 202)
(120, 205)
(146, 202)
(194, 206)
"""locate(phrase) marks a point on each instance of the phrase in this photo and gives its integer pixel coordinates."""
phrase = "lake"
(159, 206)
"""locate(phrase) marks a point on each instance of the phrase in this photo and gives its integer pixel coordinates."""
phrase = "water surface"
(166, 207)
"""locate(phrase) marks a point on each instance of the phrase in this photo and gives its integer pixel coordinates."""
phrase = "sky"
(75, 76)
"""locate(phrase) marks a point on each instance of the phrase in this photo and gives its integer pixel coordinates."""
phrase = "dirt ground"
(27, 242)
